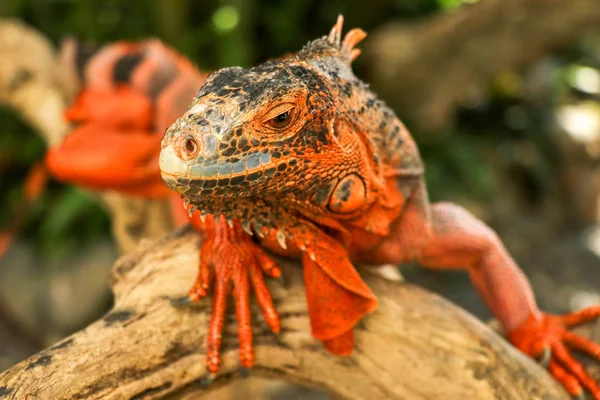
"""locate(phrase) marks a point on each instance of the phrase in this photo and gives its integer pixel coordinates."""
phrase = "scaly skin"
(302, 153)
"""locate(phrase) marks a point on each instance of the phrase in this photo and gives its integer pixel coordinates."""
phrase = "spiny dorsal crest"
(333, 46)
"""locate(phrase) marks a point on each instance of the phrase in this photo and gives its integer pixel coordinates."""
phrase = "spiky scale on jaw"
(246, 225)
(281, 239)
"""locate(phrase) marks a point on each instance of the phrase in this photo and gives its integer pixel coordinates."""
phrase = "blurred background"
(502, 96)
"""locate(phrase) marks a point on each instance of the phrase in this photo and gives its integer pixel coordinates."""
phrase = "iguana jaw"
(204, 178)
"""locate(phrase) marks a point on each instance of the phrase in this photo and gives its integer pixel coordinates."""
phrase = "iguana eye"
(281, 116)
(282, 120)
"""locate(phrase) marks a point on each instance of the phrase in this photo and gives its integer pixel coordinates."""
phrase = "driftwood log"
(415, 346)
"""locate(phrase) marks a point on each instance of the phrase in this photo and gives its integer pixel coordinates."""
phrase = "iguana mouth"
(171, 164)
(247, 165)
(195, 178)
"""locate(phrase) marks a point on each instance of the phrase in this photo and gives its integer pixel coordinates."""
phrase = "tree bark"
(416, 345)
(426, 69)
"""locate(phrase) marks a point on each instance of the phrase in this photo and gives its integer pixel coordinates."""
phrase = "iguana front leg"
(232, 264)
(456, 239)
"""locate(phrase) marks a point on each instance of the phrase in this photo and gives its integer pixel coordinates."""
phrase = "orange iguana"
(129, 94)
(301, 153)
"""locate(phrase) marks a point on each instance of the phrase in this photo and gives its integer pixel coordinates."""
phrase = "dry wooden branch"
(415, 346)
(425, 70)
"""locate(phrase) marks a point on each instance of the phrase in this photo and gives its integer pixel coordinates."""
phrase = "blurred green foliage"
(460, 164)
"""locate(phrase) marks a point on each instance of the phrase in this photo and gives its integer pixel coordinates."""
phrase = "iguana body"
(303, 154)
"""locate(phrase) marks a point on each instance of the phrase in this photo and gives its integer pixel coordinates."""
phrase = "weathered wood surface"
(415, 346)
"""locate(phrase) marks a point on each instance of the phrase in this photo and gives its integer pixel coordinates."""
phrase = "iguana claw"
(545, 357)
(181, 301)
(547, 337)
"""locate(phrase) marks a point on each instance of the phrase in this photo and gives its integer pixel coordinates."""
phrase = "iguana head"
(272, 131)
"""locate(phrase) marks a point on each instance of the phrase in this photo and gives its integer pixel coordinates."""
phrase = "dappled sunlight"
(581, 121)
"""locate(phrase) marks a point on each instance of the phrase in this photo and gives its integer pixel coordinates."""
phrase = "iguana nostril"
(191, 146)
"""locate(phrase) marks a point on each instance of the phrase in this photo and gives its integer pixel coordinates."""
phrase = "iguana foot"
(546, 337)
(231, 261)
